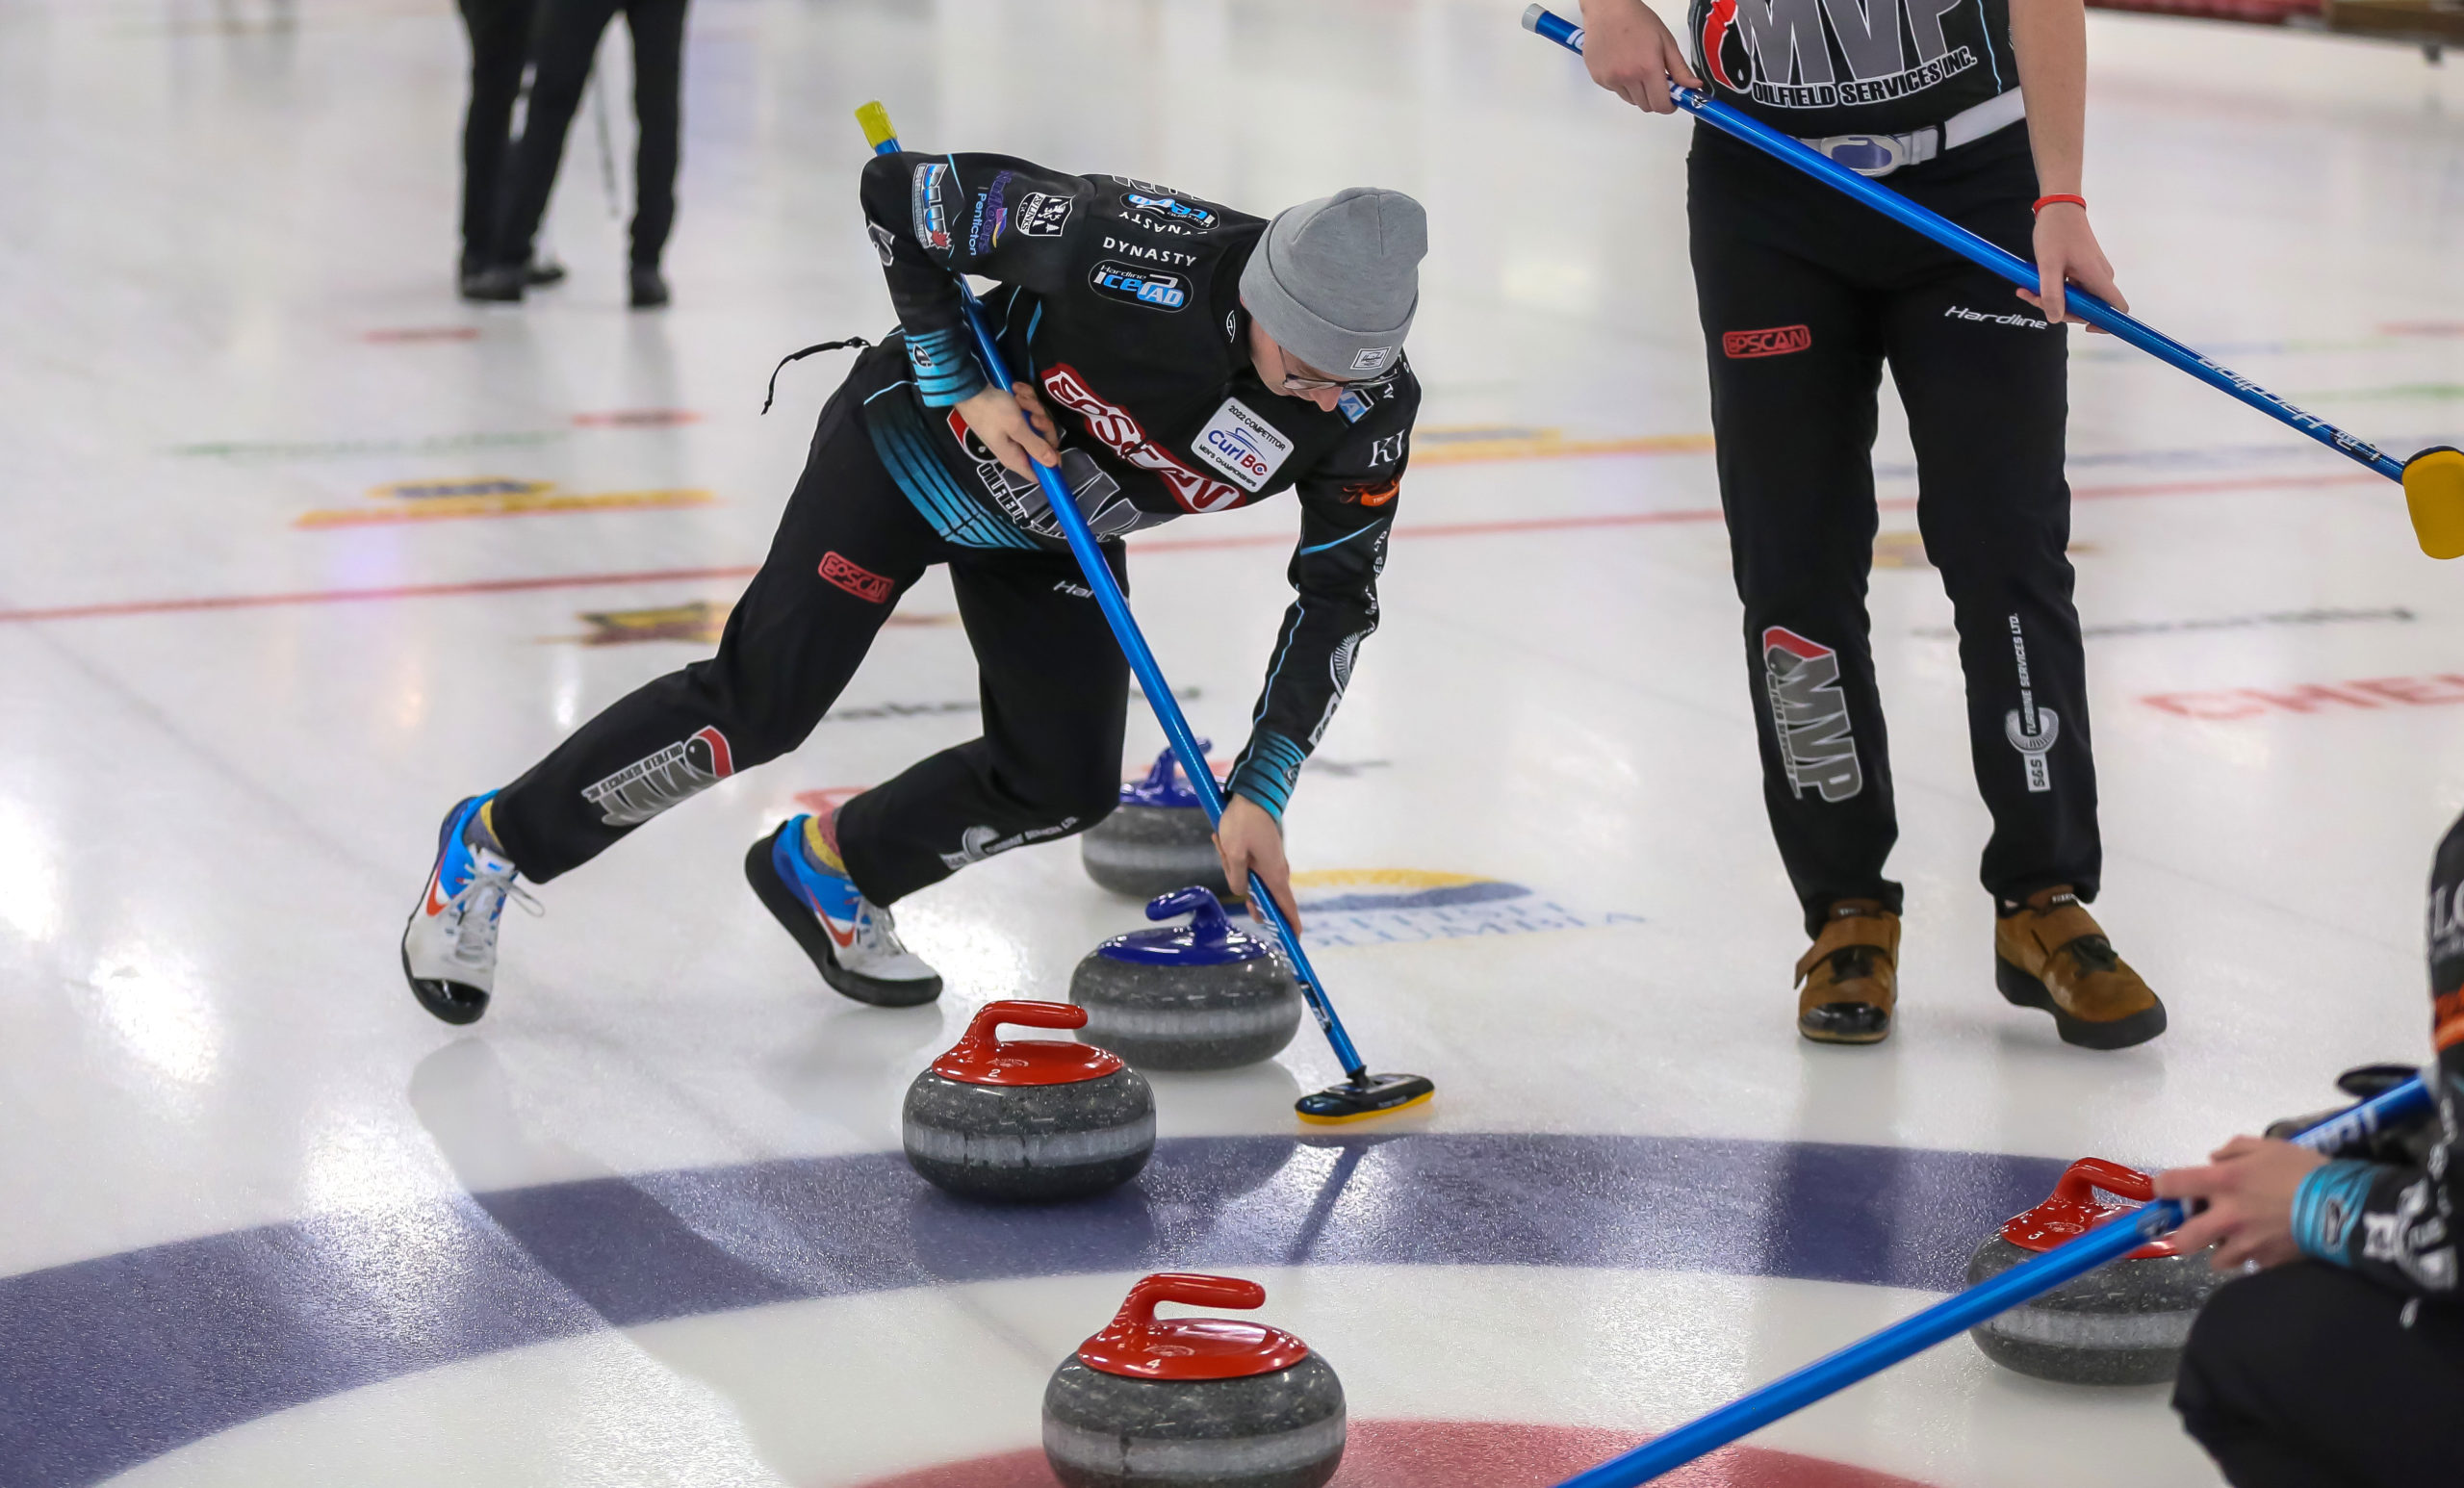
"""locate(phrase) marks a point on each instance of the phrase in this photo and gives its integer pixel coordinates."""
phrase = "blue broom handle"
(1827, 1376)
(2001, 261)
(1150, 678)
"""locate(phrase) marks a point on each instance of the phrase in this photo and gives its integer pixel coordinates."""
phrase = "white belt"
(1879, 155)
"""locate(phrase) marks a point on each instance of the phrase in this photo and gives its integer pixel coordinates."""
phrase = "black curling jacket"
(2396, 1225)
(1121, 300)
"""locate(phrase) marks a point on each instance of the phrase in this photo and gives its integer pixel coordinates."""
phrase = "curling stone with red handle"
(1194, 996)
(1157, 840)
(1028, 1120)
(1192, 1403)
(2122, 1324)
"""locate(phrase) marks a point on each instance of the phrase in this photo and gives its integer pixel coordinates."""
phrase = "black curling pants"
(1805, 296)
(2307, 1376)
(569, 32)
(1052, 681)
(500, 49)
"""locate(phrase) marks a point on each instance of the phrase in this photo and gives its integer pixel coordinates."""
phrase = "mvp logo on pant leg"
(1810, 714)
(646, 787)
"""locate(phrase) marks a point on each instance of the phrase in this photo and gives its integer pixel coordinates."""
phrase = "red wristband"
(2042, 202)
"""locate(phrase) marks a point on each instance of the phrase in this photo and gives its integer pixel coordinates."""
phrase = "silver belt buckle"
(1867, 155)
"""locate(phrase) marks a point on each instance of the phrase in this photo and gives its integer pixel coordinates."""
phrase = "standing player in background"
(1197, 360)
(566, 44)
(2340, 1364)
(500, 50)
(1805, 294)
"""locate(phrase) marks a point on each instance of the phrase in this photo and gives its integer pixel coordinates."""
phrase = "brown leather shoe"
(2049, 953)
(1850, 980)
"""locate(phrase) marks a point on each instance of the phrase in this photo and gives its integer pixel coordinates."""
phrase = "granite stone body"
(2121, 1324)
(1187, 1015)
(1283, 1429)
(1029, 1142)
(1147, 850)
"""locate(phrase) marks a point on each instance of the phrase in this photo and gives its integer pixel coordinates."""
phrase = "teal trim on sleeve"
(1268, 773)
(2329, 1206)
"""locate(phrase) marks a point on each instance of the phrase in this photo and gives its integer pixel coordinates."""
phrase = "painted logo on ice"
(1809, 714)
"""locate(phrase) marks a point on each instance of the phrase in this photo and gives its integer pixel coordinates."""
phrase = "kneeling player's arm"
(2397, 1224)
(1334, 575)
(991, 215)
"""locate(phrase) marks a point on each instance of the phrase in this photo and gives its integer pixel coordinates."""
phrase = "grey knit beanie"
(1335, 281)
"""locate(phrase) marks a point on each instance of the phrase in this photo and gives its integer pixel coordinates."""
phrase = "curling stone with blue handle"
(1028, 1120)
(2121, 1324)
(1197, 996)
(1192, 1403)
(1158, 839)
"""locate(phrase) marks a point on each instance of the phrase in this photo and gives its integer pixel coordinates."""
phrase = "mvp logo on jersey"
(1241, 445)
(1151, 287)
(1810, 714)
(1829, 54)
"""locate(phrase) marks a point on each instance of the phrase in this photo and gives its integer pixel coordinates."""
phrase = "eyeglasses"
(1292, 384)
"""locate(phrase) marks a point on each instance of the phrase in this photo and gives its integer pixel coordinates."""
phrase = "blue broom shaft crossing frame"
(2010, 266)
(1150, 680)
(1914, 1334)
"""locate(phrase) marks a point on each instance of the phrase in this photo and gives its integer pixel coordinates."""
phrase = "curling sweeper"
(1158, 839)
(1192, 1403)
(1027, 1121)
(1194, 996)
(2432, 479)
(1291, 332)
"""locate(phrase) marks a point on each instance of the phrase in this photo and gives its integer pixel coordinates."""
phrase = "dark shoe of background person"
(544, 272)
(502, 283)
(650, 290)
(2049, 953)
(1849, 981)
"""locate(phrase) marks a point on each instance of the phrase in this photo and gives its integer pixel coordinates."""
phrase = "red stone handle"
(1137, 1312)
(982, 1030)
(2081, 1180)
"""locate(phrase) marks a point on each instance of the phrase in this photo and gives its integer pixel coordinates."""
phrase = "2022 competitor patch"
(856, 578)
(1810, 714)
(1776, 341)
(648, 787)
(1242, 445)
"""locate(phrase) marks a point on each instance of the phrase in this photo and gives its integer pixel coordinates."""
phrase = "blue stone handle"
(1208, 926)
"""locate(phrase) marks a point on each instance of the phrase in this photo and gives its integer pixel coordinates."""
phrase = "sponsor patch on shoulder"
(1353, 405)
(925, 205)
(1149, 288)
(1041, 213)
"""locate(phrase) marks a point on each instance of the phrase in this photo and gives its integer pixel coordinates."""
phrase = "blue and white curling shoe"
(450, 948)
(850, 939)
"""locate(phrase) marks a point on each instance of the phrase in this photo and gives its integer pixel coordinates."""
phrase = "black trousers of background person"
(2307, 1376)
(1804, 295)
(500, 49)
(568, 40)
(1053, 684)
